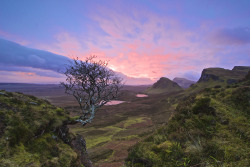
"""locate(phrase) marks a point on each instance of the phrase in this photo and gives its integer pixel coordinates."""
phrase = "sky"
(143, 40)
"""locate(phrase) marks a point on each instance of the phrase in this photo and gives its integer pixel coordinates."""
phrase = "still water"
(114, 102)
(141, 95)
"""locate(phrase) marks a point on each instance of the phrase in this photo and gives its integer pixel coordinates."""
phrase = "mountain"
(209, 128)
(219, 77)
(224, 75)
(163, 85)
(183, 82)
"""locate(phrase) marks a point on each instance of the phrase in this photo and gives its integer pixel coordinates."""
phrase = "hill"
(219, 77)
(224, 75)
(34, 133)
(183, 82)
(163, 85)
(209, 128)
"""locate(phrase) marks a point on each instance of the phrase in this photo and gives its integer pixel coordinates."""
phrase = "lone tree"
(92, 84)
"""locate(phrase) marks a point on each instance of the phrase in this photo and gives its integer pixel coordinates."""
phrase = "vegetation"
(29, 133)
(163, 85)
(210, 128)
(92, 84)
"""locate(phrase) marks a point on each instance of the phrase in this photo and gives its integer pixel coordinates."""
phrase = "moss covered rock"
(32, 133)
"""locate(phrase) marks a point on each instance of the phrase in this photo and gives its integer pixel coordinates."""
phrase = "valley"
(115, 128)
(134, 117)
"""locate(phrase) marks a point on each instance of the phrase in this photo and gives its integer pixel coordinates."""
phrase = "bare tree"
(92, 84)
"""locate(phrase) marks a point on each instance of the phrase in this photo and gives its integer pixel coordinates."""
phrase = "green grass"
(96, 136)
(210, 128)
(134, 120)
(28, 134)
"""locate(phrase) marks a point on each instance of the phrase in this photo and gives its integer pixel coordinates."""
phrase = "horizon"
(143, 40)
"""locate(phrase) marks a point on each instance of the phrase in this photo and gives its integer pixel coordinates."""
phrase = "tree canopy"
(92, 84)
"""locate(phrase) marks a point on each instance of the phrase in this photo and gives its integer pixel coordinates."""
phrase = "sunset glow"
(141, 39)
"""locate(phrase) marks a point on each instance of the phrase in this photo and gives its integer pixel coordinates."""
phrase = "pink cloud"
(27, 77)
(151, 49)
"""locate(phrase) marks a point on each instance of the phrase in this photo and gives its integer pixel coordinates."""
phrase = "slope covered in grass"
(30, 133)
(218, 77)
(210, 128)
(163, 85)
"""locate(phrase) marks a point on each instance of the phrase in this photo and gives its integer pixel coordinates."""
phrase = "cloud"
(13, 54)
(22, 64)
(191, 75)
(36, 71)
(142, 44)
(232, 36)
(26, 77)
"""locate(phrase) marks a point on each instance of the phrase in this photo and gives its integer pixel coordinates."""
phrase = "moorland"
(205, 124)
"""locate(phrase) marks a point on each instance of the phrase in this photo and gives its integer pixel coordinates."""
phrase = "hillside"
(217, 77)
(115, 128)
(209, 128)
(163, 85)
(224, 75)
(183, 82)
(34, 133)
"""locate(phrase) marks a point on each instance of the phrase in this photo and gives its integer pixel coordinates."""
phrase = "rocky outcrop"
(77, 143)
(224, 75)
(163, 83)
(206, 76)
(241, 68)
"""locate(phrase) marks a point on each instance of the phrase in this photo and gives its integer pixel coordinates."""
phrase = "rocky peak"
(164, 83)
(241, 68)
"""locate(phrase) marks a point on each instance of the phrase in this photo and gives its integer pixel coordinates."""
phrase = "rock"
(206, 77)
(241, 68)
(79, 145)
(33, 103)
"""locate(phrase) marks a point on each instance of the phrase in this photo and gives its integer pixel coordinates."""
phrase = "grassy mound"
(210, 128)
(29, 132)
(163, 85)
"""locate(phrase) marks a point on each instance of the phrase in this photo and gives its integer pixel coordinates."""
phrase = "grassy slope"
(163, 85)
(223, 76)
(27, 135)
(116, 128)
(210, 128)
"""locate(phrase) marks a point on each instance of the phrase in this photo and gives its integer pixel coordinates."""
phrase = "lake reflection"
(141, 95)
(114, 102)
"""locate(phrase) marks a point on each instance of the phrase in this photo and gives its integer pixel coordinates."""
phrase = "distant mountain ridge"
(183, 82)
(224, 75)
(163, 85)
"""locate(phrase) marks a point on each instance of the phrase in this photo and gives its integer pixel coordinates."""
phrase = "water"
(141, 95)
(114, 102)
